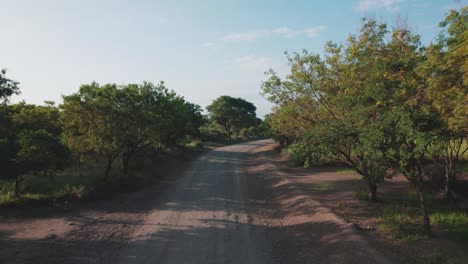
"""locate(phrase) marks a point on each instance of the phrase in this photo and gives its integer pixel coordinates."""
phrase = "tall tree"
(333, 106)
(90, 122)
(8, 143)
(446, 72)
(232, 114)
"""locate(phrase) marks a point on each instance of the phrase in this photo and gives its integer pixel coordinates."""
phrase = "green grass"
(462, 166)
(38, 189)
(400, 225)
(10, 198)
(71, 184)
(325, 186)
(403, 219)
(454, 224)
(361, 193)
(86, 181)
(345, 171)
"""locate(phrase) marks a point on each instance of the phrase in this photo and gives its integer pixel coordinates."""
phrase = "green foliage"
(337, 107)
(8, 87)
(40, 151)
(36, 117)
(399, 225)
(8, 146)
(232, 114)
(118, 121)
(380, 103)
(445, 71)
(406, 224)
(309, 154)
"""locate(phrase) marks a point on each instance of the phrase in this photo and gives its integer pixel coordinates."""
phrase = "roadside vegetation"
(385, 106)
(105, 139)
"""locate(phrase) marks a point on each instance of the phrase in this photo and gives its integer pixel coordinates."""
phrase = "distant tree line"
(380, 102)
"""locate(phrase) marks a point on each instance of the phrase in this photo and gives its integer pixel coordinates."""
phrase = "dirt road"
(231, 205)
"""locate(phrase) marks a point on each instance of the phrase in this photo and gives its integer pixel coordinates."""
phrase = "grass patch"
(10, 198)
(361, 193)
(400, 225)
(454, 224)
(324, 186)
(86, 181)
(403, 219)
(345, 171)
(462, 166)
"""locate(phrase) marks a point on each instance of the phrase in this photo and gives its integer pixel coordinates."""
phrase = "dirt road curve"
(231, 205)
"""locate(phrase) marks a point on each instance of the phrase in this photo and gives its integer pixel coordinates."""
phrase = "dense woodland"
(109, 124)
(381, 103)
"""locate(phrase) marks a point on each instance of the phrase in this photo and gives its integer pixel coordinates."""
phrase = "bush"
(309, 154)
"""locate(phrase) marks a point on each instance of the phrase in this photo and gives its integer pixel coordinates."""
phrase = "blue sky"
(201, 49)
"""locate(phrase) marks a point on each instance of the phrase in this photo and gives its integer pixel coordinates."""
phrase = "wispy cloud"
(314, 31)
(310, 32)
(250, 63)
(369, 5)
(256, 64)
(246, 36)
(208, 44)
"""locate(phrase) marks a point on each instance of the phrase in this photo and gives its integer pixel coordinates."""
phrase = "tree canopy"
(232, 114)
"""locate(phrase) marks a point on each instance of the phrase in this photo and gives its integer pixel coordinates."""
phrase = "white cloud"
(285, 32)
(257, 65)
(247, 36)
(314, 31)
(369, 5)
(280, 31)
(253, 63)
(208, 44)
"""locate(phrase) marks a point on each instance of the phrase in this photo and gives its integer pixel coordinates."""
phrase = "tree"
(8, 143)
(36, 117)
(333, 106)
(40, 151)
(119, 121)
(91, 124)
(232, 114)
(8, 87)
(446, 72)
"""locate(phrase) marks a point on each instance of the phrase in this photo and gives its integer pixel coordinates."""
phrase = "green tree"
(333, 106)
(8, 87)
(446, 72)
(35, 117)
(119, 121)
(232, 114)
(40, 151)
(91, 123)
(8, 143)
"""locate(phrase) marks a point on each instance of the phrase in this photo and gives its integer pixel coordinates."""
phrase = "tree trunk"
(449, 177)
(372, 191)
(108, 168)
(79, 164)
(17, 186)
(125, 161)
(422, 204)
(51, 178)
